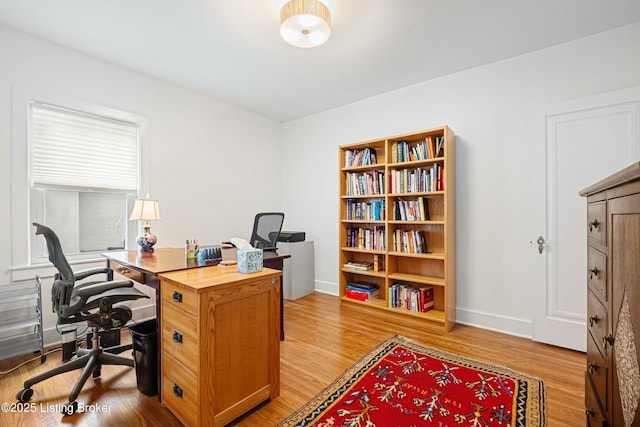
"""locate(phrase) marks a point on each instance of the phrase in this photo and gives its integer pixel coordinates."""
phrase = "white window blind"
(70, 148)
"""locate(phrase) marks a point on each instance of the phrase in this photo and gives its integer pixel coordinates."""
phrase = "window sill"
(28, 272)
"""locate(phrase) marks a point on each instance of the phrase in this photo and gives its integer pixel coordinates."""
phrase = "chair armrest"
(98, 288)
(83, 274)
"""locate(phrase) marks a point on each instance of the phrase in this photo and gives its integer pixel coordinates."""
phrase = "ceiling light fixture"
(305, 23)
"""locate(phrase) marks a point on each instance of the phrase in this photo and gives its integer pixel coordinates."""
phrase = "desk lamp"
(146, 210)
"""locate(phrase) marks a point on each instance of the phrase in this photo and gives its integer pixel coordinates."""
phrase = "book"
(364, 286)
(361, 295)
(360, 266)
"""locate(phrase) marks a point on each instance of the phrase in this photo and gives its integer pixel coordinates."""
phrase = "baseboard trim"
(493, 322)
(327, 288)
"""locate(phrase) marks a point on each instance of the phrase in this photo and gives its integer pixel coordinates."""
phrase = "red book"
(361, 296)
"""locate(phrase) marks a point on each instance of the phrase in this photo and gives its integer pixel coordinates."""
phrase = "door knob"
(540, 243)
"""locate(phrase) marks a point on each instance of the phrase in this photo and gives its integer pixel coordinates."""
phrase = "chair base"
(89, 359)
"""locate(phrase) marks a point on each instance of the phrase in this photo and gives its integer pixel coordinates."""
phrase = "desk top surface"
(203, 279)
(171, 259)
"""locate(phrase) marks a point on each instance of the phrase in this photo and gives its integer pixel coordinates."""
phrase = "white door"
(575, 144)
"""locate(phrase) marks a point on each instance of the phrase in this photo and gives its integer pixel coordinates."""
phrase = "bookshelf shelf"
(371, 273)
(409, 222)
(368, 251)
(438, 256)
(417, 226)
(416, 278)
(437, 316)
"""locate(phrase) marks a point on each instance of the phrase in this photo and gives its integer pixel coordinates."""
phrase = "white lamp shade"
(147, 210)
(305, 23)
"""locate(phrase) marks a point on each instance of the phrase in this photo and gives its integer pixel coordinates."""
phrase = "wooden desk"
(219, 343)
(145, 267)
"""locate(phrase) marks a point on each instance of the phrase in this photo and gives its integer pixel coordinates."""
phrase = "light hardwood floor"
(323, 339)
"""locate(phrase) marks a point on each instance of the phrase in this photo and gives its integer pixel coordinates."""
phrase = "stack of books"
(362, 291)
(411, 298)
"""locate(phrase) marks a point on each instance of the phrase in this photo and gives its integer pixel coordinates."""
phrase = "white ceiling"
(232, 51)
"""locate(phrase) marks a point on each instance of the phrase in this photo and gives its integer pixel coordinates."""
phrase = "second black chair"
(266, 230)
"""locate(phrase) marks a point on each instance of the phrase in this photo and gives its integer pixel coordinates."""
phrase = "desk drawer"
(130, 274)
(180, 336)
(597, 221)
(597, 273)
(179, 391)
(180, 296)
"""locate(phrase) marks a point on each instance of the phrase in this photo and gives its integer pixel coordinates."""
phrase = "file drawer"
(180, 296)
(179, 390)
(180, 336)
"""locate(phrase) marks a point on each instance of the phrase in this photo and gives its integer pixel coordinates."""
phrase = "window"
(84, 174)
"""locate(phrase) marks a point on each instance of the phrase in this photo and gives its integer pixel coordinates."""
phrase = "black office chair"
(95, 303)
(266, 230)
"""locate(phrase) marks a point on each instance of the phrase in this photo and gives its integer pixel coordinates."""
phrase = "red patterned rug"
(402, 383)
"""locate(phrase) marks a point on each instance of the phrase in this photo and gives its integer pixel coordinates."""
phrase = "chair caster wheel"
(24, 395)
(70, 408)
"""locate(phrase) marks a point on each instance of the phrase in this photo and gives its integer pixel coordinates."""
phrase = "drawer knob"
(593, 320)
(177, 337)
(177, 390)
(589, 413)
(593, 367)
(594, 272)
(177, 296)
(593, 225)
(608, 340)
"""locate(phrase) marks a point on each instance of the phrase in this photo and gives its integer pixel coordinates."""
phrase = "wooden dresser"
(612, 378)
(220, 342)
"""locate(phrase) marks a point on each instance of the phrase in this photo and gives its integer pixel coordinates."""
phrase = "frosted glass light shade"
(305, 23)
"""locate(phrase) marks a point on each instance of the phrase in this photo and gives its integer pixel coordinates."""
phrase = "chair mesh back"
(266, 229)
(65, 279)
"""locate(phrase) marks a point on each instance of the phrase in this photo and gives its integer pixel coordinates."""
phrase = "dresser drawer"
(593, 410)
(180, 296)
(597, 371)
(180, 336)
(597, 322)
(179, 391)
(597, 221)
(597, 273)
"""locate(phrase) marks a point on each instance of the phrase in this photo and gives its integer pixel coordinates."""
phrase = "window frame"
(23, 239)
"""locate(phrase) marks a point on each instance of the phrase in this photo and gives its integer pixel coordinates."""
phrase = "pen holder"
(191, 250)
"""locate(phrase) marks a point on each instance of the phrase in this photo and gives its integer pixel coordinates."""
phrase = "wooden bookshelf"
(395, 198)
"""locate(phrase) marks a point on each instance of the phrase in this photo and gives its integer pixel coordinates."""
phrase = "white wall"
(489, 108)
(196, 145)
